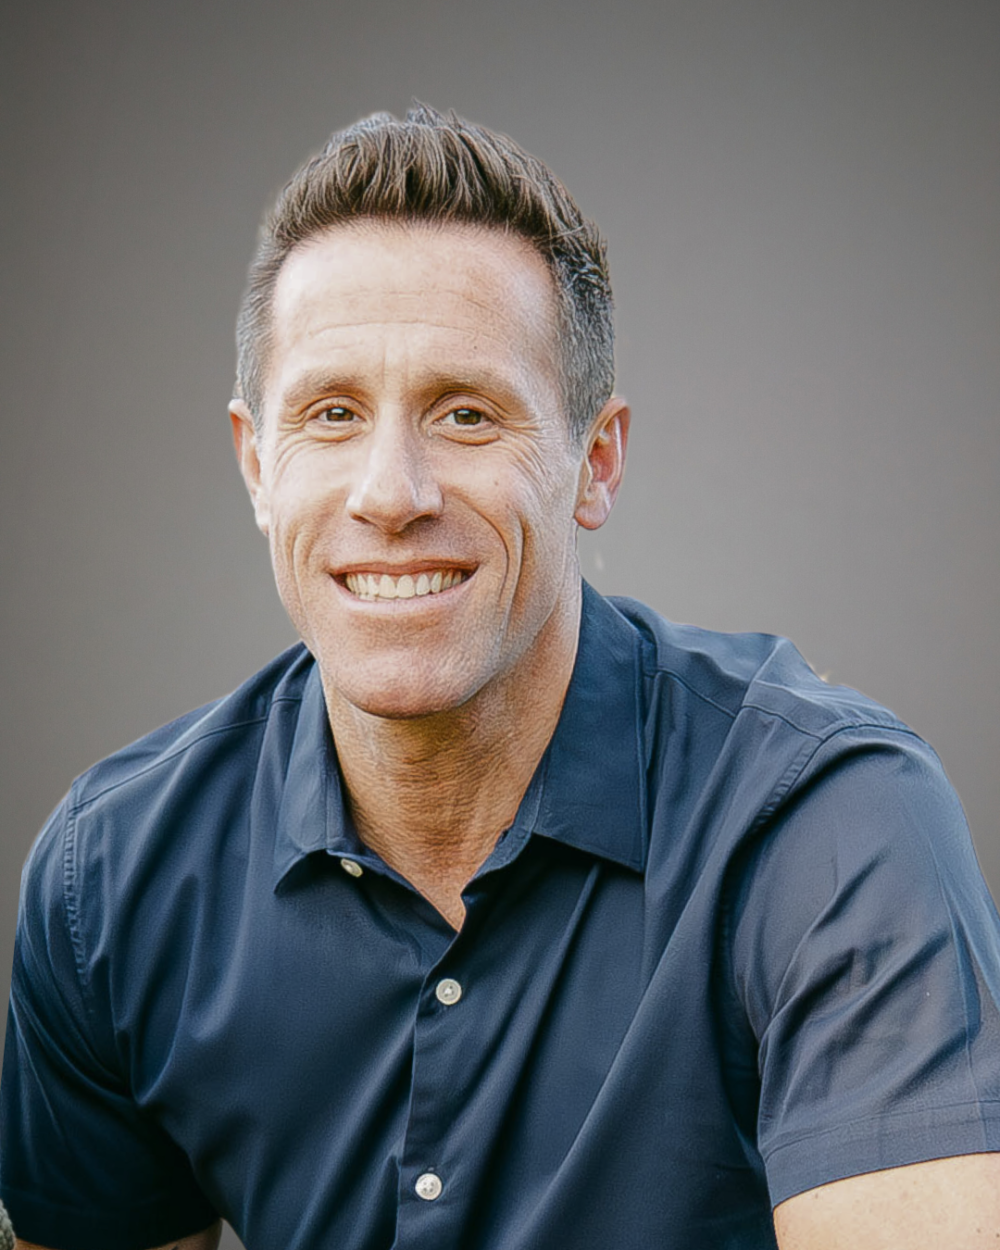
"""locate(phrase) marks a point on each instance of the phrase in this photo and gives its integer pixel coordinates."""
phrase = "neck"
(431, 794)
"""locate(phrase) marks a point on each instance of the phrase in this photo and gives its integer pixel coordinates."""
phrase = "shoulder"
(748, 673)
(756, 771)
(144, 805)
(746, 709)
(204, 733)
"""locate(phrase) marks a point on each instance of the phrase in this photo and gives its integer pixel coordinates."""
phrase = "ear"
(604, 464)
(248, 457)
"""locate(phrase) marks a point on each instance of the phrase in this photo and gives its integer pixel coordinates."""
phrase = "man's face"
(414, 472)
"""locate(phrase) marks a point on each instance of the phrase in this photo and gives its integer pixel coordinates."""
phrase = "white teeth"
(382, 586)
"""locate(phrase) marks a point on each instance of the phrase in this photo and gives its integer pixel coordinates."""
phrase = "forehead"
(434, 291)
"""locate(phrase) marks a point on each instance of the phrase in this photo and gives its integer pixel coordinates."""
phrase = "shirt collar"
(311, 813)
(591, 791)
(588, 790)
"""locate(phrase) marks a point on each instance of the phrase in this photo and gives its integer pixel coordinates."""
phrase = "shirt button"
(428, 1186)
(448, 992)
(351, 868)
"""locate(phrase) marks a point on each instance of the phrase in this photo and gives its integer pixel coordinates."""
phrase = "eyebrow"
(316, 383)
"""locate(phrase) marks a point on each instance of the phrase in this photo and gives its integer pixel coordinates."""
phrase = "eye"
(466, 424)
(334, 421)
(335, 414)
(467, 416)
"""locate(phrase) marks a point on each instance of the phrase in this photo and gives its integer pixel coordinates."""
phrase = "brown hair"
(436, 168)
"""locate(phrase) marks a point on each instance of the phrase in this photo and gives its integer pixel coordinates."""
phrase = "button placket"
(447, 991)
(442, 1052)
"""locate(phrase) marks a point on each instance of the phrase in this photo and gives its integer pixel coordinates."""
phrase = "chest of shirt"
(558, 1046)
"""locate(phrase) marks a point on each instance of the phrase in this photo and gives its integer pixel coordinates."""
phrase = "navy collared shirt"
(735, 945)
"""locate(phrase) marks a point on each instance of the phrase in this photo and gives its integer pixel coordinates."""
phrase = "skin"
(946, 1204)
(413, 421)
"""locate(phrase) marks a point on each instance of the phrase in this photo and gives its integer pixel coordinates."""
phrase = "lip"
(400, 568)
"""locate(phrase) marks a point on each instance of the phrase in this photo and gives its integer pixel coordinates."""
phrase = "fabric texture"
(734, 945)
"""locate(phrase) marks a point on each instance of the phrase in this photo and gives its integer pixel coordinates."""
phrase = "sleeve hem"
(799, 1162)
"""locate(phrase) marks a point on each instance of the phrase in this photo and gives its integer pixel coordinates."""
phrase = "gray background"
(803, 207)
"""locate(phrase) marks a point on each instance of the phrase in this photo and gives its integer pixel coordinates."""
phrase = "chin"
(403, 695)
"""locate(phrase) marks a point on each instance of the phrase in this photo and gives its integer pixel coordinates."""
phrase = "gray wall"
(803, 206)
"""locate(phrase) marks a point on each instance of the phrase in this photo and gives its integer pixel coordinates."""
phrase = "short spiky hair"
(436, 168)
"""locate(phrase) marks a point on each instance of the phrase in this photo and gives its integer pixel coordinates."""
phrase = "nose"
(395, 484)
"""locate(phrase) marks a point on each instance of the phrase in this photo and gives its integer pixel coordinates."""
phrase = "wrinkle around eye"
(347, 420)
(484, 428)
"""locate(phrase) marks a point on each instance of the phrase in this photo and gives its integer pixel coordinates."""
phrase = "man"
(497, 915)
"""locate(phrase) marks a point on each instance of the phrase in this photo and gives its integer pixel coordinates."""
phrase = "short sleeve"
(81, 1167)
(866, 954)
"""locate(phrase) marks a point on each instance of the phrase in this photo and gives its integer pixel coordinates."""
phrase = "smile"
(407, 586)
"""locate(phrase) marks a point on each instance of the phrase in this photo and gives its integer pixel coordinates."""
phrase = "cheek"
(550, 503)
(541, 481)
(546, 536)
(297, 545)
(302, 502)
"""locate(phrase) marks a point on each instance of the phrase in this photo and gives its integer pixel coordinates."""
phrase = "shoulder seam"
(796, 768)
(86, 801)
(659, 671)
(70, 907)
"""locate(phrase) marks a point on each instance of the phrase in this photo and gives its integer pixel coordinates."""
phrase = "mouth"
(372, 586)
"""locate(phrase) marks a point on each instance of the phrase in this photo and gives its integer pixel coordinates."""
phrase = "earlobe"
(248, 458)
(604, 465)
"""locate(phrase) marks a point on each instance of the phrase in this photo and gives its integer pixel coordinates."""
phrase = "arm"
(81, 1162)
(925, 1206)
(868, 963)
(207, 1240)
